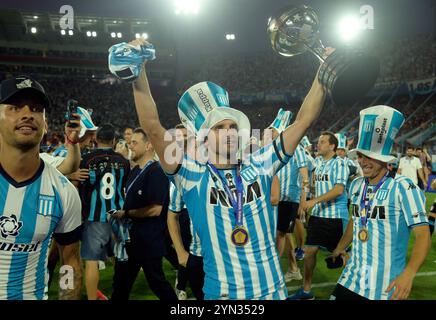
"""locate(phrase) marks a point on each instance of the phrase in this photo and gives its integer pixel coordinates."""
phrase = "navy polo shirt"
(147, 188)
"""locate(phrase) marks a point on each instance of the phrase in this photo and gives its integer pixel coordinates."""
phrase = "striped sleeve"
(187, 175)
(72, 208)
(341, 172)
(176, 201)
(412, 202)
(272, 157)
(351, 163)
(300, 157)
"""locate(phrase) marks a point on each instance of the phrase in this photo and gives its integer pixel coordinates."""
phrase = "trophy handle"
(317, 49)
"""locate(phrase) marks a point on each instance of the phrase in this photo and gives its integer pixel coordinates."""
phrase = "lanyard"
(236, 203)
(142, 171)
(366, 205)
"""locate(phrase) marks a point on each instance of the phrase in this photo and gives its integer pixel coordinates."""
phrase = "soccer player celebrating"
(385, 209)
(36, 201)
(228, 201)
(330, 212)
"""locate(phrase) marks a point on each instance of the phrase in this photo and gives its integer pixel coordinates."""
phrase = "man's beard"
(26, 146)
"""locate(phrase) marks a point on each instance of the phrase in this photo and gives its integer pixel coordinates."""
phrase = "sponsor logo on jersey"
(10, 226)
(45, 205)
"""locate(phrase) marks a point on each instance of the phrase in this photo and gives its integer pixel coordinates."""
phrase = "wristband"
(71, 141)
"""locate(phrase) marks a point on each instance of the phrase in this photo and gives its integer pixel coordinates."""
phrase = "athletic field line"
(328, 284)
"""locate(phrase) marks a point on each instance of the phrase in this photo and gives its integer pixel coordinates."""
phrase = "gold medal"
(363, 235)
(363, 212)
(239, 236)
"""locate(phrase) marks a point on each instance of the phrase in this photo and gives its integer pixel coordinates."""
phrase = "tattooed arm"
(70, 257)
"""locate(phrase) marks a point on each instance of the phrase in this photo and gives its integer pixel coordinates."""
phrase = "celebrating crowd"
(216, 202)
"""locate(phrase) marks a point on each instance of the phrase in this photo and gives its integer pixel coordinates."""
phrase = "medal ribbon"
(366, 205)
(236, 203)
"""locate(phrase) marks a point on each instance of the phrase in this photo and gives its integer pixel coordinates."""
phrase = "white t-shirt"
(409, 167)
(51, 160)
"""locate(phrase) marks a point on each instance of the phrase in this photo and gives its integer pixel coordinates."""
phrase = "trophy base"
(348, 74)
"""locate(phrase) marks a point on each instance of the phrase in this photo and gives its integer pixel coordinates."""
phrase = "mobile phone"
(112, 211)
(339, 262)
(71, 109)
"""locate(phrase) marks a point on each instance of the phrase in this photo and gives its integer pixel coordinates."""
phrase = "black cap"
(23, 85)
(106, 132)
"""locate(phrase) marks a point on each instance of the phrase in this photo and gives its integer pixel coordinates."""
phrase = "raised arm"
(72, 160)
(149, 120)
(308, 113)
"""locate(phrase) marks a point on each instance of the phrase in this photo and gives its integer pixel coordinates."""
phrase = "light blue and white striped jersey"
(120, 228)
(398, 206)
(317, 161)
(30, 213)
(60, 152)
(290, 177)
(328, 174)
(176, 205)
(350, 163)
(311, 169)
(236, 272)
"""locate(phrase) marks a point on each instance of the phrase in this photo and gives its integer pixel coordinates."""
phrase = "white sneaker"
(101, 265)
(181, 295)
(289, 276)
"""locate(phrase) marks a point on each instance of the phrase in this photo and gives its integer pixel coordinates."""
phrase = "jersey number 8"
(107, 190)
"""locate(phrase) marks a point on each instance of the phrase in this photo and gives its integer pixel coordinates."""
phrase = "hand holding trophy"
(347, 73)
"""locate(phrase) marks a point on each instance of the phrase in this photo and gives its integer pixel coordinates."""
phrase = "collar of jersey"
(26, 182)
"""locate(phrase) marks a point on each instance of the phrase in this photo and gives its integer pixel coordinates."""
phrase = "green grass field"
(424, 287)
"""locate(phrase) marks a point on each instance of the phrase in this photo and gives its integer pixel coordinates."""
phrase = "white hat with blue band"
(204, 105)
(86, 123)
(342, 140)
(282, 120)
(378, 128)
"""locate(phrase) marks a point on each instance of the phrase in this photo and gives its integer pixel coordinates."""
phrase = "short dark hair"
(180, 126)
(332, 138)
(141, 131)
(410, 147)
(106, 133)
(127, 127)
(419, 148)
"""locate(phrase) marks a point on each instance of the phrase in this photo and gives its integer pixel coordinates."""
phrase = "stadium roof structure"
(16, 26)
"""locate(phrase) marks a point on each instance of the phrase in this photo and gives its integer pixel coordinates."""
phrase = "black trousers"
(171, 255)
(195, 273)
(342, 293)
(126, 272)
(185, 233)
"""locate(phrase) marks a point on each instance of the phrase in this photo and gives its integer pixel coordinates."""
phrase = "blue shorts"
(96, 241)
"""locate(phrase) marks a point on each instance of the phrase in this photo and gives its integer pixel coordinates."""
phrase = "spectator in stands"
(411, 167)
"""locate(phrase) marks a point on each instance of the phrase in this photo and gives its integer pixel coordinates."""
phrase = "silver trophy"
(348, 73)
